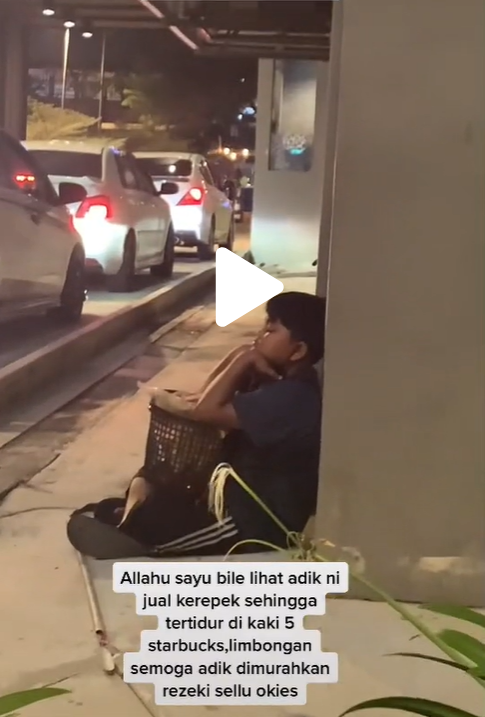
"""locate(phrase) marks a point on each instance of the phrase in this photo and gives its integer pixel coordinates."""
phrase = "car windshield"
(69, 164)
(166, 166)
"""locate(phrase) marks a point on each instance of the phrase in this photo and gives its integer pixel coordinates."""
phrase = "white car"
(202, 214)
(41, 255)
(125, 225)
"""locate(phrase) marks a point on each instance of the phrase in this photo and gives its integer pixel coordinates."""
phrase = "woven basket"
(180, 452)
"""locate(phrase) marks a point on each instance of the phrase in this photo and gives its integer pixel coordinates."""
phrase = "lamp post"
(102, 72)
(65, 63)
(87, 33)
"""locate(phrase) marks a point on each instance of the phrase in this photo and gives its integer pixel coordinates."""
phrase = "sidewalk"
(46, 631)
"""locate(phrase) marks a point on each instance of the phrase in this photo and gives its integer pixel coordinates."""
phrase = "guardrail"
(27, 375)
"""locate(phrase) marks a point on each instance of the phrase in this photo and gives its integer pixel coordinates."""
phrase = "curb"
(23, 377)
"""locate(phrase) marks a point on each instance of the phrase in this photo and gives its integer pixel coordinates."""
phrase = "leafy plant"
(180, 99)
(461, 650)
(46, 122)
(17, 700)
(145, 96)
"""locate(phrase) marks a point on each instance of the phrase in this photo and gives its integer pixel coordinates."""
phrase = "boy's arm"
(215, 405)
(221, 366)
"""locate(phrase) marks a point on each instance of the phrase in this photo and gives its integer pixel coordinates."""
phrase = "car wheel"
(165, 269)
(124, 280)
(74, 291)
(229, 243)
(205, 252)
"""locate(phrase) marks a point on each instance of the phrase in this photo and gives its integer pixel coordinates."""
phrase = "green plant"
(461, 650)
(180, 99)
(141, 96)
(45, 122)
(17, 700)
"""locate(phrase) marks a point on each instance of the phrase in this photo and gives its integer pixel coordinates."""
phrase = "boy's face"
(275, 344)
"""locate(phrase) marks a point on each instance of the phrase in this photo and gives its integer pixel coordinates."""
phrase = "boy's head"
(294, 330)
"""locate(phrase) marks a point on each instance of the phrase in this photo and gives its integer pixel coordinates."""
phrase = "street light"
(102, 73)
(48, 10)
(86, 30)
(87, 33)
(67, 41)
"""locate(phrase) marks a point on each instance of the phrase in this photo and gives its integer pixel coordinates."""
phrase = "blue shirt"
(276, 452)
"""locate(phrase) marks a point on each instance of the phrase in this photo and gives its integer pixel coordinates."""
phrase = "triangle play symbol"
(240, 287)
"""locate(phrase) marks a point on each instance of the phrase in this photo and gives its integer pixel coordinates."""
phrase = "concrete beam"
(13, 70)
(403, 462)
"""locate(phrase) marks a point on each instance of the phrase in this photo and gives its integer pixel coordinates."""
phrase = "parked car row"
(71, 208)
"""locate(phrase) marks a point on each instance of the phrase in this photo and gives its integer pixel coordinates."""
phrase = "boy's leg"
(178, 525)
(138, 492)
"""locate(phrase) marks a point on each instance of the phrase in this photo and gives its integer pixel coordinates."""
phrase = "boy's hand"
(256, 361)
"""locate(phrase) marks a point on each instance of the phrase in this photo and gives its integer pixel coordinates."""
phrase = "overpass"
(264, 29)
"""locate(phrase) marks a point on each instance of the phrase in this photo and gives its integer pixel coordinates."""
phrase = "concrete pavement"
(46, 629)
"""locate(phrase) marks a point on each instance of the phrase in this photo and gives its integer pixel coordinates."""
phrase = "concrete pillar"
(13, 70)
(288, 204)
(403, 467)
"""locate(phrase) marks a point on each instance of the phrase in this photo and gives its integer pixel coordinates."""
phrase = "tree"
(142, 95)
(198, 99)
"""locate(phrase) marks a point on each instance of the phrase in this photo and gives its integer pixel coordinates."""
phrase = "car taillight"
(24, 179)
(193, 198)
(96, 208)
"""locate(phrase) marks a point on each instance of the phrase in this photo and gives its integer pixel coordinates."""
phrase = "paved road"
(20, 338)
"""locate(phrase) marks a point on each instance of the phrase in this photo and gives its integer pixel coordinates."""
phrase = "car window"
(126, 174)
(162, 167)
(146, 182)
(69, 164)
(143, 180)
(206, 174)
(19, 171)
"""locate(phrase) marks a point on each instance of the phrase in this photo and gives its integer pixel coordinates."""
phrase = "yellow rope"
(217, 484)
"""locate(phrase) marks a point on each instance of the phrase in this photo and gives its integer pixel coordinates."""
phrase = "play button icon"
(240, 287)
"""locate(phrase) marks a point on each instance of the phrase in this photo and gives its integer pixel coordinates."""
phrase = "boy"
(266, 397)
(273, 435)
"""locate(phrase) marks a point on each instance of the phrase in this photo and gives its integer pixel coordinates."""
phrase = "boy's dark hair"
(304, 317)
